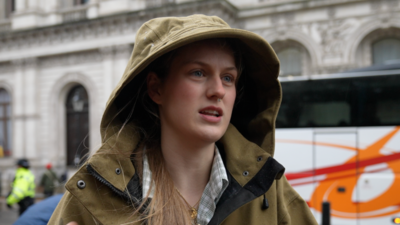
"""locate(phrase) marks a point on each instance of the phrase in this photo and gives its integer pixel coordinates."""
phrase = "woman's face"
(200, 74)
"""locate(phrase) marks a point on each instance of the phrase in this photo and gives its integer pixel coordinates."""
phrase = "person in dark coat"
(49, 181)
(39, 213)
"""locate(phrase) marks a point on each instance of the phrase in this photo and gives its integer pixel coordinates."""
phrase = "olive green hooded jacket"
(106, 188)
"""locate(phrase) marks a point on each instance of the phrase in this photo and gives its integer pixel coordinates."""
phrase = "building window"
(9, 8)
(77, 106)
(386, 51)
(80, 2)
(5, 122)
(65, 4)
(291, 61)
(156, 3)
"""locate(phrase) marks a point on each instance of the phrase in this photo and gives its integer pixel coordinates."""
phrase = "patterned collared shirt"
(213, 191)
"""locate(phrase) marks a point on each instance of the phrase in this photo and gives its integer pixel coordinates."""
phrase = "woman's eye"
(227, 79)
(198, 73)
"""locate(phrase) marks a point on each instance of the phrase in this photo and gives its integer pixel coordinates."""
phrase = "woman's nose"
(216, 88)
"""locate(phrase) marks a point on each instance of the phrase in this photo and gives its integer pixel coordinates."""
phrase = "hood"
(246, 147)
(253, 116)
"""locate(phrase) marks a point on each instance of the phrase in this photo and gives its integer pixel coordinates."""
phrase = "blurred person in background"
(49, 181)
(1, 151)
(23, 187)
(39, 213)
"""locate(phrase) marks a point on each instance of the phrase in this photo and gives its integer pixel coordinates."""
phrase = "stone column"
(25, 108)
(54, 17)
(18, 150)
(93, 9)
(138, 4)
(108, 65)
(20, 5)
(27, 14)
(31, 107)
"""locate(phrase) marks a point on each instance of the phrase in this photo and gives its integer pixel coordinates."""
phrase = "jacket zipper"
(105, 182)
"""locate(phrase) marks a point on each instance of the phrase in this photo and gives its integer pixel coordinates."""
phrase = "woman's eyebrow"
(204, 64)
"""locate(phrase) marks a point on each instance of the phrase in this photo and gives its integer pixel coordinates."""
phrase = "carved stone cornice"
(106, 27)
(70, 59)
(333, 35)
(24, 63)
(116, 51)
(283, 18)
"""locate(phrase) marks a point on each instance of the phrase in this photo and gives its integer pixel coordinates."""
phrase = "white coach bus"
(339, 138)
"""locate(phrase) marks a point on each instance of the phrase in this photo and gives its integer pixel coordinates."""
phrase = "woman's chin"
(211, 135)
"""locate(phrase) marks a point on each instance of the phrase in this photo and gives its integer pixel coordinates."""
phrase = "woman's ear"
(153, 87)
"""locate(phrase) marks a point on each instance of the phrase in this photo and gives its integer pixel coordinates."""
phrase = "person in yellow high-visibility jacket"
(1, 152)
(23, 187)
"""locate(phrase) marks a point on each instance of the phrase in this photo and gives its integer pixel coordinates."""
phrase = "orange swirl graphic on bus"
(347, 175)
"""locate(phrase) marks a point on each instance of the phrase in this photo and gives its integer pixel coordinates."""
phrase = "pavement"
(7, 216)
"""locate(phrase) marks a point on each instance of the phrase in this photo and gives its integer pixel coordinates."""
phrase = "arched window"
(5, 122)
(77, 106)
(386, 51)
(291, 61)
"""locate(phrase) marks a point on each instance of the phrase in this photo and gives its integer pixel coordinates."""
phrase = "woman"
(188, 134)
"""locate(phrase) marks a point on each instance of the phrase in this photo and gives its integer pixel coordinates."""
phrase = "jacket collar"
(251, 171)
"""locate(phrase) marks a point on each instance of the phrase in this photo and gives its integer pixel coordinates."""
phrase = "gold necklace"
(192, 209)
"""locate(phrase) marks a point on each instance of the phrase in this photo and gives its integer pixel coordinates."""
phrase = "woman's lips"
(209, 118)
(211, 114)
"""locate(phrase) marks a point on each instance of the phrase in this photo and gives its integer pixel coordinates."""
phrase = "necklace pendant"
(193, 213)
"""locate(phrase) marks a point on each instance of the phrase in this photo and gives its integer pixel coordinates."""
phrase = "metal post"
(326, 213)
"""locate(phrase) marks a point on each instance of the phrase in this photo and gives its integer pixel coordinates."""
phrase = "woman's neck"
(189, 165)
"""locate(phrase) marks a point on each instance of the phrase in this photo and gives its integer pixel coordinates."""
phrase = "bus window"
(388, 111)
(357, 101)
(325, 114)
(378, 100)
(317, 103)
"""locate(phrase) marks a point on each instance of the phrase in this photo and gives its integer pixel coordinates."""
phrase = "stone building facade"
(60, 59)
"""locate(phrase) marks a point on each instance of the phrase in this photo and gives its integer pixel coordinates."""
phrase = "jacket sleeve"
(17, 192)
(20, 188)
(70, 209)
(294, 210)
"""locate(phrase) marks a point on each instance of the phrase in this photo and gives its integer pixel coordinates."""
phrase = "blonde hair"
(166, 206)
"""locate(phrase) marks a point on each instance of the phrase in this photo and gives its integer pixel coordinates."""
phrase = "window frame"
(81, 117)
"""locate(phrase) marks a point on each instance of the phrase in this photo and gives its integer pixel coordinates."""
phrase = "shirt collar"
(218, 173)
